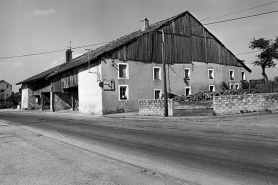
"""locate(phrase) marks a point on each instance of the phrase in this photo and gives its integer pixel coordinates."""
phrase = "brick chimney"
(68, 55)
(144, 24)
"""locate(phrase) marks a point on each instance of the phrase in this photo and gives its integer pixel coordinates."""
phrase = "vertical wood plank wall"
(186, 40)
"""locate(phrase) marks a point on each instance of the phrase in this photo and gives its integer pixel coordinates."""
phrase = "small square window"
(212, 88)
(186, 73)
(187, 91)
(243, 76)
(156, 73)
(123, 71)
(232, 74)
(123, 92)
(211, 74)
(157, 94)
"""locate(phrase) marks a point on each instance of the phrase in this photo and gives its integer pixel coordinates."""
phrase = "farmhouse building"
(115, 76)
(5, 90)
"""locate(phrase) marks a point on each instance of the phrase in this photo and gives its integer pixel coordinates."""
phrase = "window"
(243, 76)
(7, 86)
(186, 73)
(123, 92)
(232, 74)
(211, 74)
(38, 100)
(232, 86)
(187, 91)
(157, 94)
(211, 88)
(156, 73)
(123, 71)
(236, 86)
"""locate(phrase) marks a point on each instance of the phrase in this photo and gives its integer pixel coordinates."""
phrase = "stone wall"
(193, 108)
(154, 107)
(235, 104)
(193, 105)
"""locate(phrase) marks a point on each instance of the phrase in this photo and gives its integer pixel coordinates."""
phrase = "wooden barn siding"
(56, 84)
(69, 79)
(41, 86)
(183, 44)
(65, 80)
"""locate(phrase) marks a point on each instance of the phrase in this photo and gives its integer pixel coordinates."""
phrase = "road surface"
(227, 150)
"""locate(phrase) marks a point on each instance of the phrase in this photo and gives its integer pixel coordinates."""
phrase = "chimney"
(144, 24)
(68, 55)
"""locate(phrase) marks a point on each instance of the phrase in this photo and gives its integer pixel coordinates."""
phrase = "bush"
(225, 86)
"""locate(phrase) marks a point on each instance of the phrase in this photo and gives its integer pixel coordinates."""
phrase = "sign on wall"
(107, 85)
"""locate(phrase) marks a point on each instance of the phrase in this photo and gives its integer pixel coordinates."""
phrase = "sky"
(39, 26)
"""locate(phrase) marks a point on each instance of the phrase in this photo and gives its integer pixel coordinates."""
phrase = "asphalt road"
(224, 151)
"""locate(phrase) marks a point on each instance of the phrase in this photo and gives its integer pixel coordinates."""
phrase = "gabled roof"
(101, 51)
(40, 75)
(5, 82)
(94, 54)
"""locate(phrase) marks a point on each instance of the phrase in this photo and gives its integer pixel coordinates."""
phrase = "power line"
(167, 29)
(247, 52)
(228, 20)
(241, 17)
(32, 54)
(50, 51)
(207, 19)
(175, 72)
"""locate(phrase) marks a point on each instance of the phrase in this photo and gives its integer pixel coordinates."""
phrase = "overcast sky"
(37, 26)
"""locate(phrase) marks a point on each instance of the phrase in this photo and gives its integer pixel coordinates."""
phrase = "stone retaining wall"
(154, 107)
(234, 104)
(188, 105)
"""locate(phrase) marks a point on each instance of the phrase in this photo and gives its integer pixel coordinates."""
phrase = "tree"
(269, 53)
(14, 99)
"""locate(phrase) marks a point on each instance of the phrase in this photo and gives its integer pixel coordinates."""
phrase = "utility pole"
(88, 57)
(164, 76)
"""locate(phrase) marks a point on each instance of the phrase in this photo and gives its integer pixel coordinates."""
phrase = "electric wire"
(208, 19)
(217, 22)
(47, 52)
(242, 17)
(9, 57)
(247, 52)
(175, 72)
